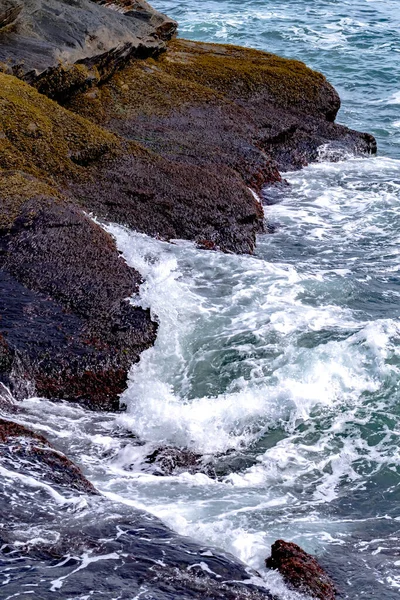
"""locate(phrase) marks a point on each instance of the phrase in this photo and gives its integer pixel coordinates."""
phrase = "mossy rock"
(145, 89)
(192, 73)
(240, 73)
(40, 137)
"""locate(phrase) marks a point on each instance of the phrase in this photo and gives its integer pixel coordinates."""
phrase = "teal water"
(355, 43)
(282, 369)
(292, 358)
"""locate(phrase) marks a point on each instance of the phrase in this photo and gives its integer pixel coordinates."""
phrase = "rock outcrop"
(205, 104)
(66, 328)
(59, 45)
(300, 570)
(178, 144)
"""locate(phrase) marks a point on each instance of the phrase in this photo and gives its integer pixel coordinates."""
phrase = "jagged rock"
(31, 454)
(9, 11)
(172, 461)
(59, 45)
(300, 570)
(66, 325)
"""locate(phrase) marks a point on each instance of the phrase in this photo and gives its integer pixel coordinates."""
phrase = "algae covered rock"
(40, 137)
(121, 181)
(292, 108)
(205, 104)
(301, 570)
(67, 327)
(178, 145)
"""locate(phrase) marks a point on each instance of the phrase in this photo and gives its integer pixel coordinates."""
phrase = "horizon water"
(282, 368)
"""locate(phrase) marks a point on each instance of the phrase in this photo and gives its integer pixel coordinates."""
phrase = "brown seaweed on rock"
(175, 146)
(301, 570)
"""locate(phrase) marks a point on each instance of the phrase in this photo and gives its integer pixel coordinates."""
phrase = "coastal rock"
(300, 570)
(172, 461)
(177, 146)
(59, 46)
(120, 180)
(212, 104)
(66, 325)
(30, 454)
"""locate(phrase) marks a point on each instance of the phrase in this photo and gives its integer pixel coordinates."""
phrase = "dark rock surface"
(59, 45)
(172, 461)
(66, 327)
(301, 570)
(101, 548)
(31, 454)
(237, 108)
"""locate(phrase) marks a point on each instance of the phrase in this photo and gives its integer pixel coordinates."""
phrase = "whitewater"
(281, 369)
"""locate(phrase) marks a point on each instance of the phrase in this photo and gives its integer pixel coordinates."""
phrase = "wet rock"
(174, 146)
(120, 180)
(172, 461)
(291, 108)
(169, 200)
(30, 454)
(66, 326)
(301, 570)
(214, 114)
(61, 46)
(107, 548)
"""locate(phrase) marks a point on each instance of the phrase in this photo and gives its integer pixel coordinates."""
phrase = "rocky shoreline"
(104, 113)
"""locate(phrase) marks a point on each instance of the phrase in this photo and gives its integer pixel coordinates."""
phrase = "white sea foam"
(208, 304)
(272, 357)
(394, 98)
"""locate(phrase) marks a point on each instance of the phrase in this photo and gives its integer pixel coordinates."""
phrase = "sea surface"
(282, 369)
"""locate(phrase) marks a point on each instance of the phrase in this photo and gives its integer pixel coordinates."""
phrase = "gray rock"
(9, 12)
(38, 38)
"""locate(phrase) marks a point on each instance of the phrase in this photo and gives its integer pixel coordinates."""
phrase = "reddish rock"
(67, 330)
(300, 570)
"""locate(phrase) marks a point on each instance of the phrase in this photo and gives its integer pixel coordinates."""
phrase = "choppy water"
(283, 369)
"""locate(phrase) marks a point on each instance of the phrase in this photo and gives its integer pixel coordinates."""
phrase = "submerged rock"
(172, 461)
(301, 570)
(29, 453)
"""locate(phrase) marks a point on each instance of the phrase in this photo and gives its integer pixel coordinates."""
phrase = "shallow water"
(282, 369)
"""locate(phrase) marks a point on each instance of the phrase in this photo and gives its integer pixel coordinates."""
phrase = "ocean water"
(281, 369)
